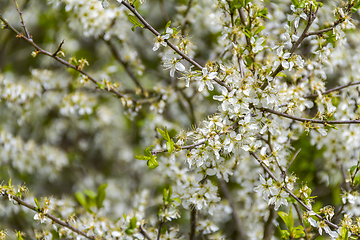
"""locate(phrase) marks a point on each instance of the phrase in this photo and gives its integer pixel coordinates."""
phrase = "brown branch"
(54, 219)
(292, 160)
(333, 89)
(311, 19)
(239, 225)
(172, 46)
(22, 20)
(144, 233)
(310, 120)
(301, 220)
(181, 147)
(60, 60)
(59, 48)
(269, 226)
(128, 70)
(319, 32)
(192, 223)
(243, 21)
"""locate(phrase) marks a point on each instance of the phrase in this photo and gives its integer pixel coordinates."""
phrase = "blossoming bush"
(182, 119)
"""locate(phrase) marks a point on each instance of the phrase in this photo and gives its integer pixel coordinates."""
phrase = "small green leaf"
(357, 179)
(18, 236)
(147, 151)
(238, 22)
(101, 86)
(288, 219)
(298, 232)
(152, 163)
(91, 194)
(167, 25)
(133, 19)
(281, 74)
(247, 33)
(352, 169)
(170, 146)
(81, 199)
(37, 204)
(164, 134)
(284, 234)
(101, 195)
(142, 157)
(259, 29)
(133, 223)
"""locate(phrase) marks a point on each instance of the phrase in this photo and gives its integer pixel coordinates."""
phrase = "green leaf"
(259, 29)
(237, 21)
(167, 25)
(81, 199)
(164, 134)
(91, 194)
(101, 86)
(288, 219)
(262, 13)
(101, 195)
(357, 179)
(37, 204)
(298, 232)
(18, 236)
(352, 169)
(142, 157)
(170, 146)
(147, 151)
(281, 74)
(284, 234)
(133, 223)
(133, 19)
(152, 163)
(247, 33)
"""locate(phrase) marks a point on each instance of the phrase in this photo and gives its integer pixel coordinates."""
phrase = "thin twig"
(290, 193)
(269, 226)
(159, 230)
(320, 32)
(301, 220)
(243, 21)
(310, 120)
(128, 70)
(163, 11)
(59, 48)
(297, 152)
(54, 219)
(181, 147)
(143, 232)
(192, 223)
(65, 63)
(311, 19)
(22, 20)
(239, 225)
(177, 50)
(333, 89)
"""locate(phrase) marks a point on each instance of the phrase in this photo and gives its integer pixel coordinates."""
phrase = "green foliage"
(132, 226)
(37, 204)
(89, 198)
(292, 232)
(149, 157)
(133, 19)
(169, 142)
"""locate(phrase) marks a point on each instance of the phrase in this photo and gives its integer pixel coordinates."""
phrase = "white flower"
(279, 200)
(206, 79)
(173, 64)
(257, 44)
(161, 39)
